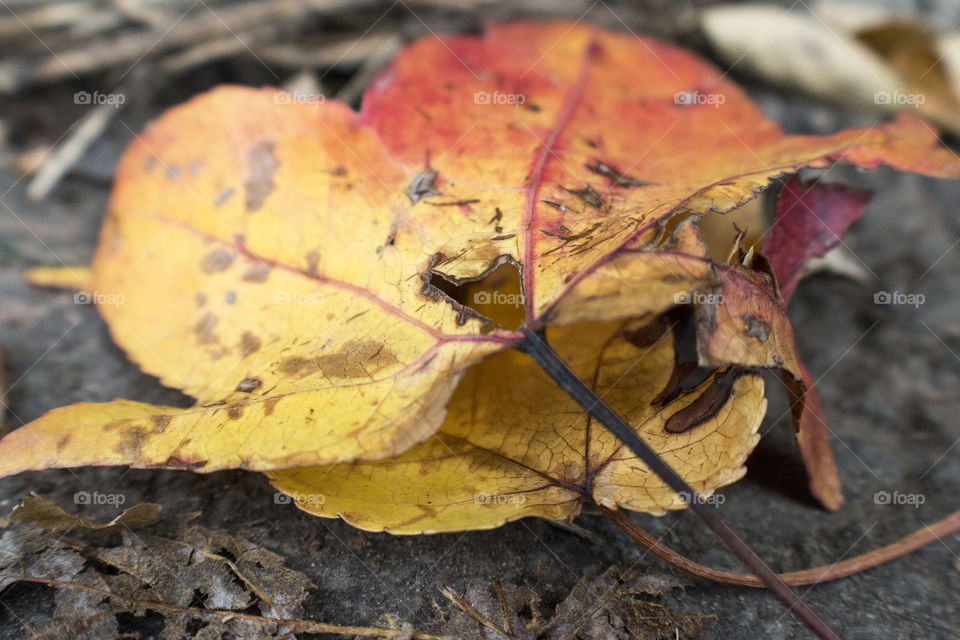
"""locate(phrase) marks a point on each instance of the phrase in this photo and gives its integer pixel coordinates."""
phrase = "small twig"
(577, 530)
(503, 604)
(217, 48)
(377, 59)
(825, 573)
(65, 155)
(461, 603)
(330, 51)
(537, 348)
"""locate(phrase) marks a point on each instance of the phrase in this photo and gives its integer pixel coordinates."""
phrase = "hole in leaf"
(719, 231)
(149, 624)
(495, 296)
(197, 599)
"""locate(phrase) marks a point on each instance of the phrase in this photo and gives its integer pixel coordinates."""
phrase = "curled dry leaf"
(278, 260)
(864, 56)
(800, 50)
(617, 603)
(49, 515)
(749, 326)
(810, 220)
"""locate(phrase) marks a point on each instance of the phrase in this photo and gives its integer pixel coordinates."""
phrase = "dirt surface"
(888, 376)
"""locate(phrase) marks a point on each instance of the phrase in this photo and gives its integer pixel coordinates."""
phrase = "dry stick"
(461, 603)
(218, 48)
(328, 51)
(64, 156)
(923, 537)
(536, 347)
(377, 60)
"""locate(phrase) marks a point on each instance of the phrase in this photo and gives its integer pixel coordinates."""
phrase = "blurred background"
(78, 79)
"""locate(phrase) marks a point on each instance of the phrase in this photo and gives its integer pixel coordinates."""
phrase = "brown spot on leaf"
(217, 260)
(313, 261)
(259, 183)
(257, 272)
(588, 194)
(200, 298)
(357, 359)
(423, 186)
(223, 196)
(204, 329)
(132, 442)
(63, 442)
(268, 405)
(249, 343)
(614, 176)
(248, 384)
(756, 328)
(160, 423)
(235, 412)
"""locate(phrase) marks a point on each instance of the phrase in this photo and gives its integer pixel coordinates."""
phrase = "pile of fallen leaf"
(203, 583)
(341, 291)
